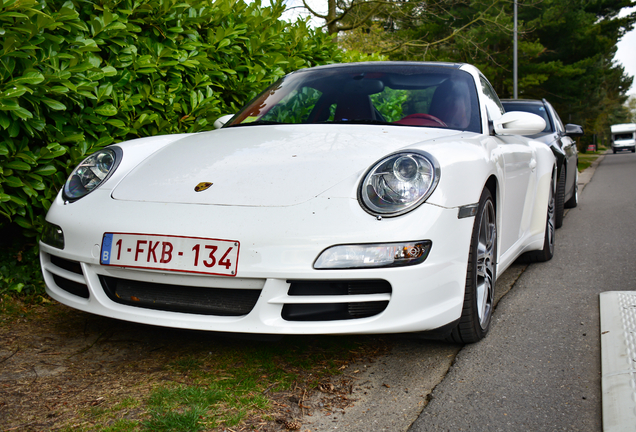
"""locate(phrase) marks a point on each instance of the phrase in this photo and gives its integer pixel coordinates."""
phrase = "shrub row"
(76, 76)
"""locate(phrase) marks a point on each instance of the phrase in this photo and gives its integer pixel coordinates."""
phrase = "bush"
(76, 76)
(19, 268)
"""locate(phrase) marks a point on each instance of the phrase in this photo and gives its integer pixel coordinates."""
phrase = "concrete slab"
(618, 360)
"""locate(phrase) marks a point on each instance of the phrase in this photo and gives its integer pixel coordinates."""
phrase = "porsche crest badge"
(202, 186)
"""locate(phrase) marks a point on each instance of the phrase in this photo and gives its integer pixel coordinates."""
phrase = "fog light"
(53, 235)
(373, 255)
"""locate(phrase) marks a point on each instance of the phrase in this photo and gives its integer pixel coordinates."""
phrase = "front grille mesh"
(177, 298)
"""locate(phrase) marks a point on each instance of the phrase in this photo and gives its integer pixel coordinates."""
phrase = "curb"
(618, 351)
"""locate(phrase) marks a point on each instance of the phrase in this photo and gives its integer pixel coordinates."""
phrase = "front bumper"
(278, 249)
(628, 145)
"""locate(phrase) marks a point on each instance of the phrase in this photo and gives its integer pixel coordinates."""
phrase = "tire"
(574, 199)
(474, 322)
(560, 200)
(547, 252)
(614, 150)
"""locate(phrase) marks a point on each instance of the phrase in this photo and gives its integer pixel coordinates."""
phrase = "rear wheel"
(547, 252)
(560, 200)
(574, 199)
(480, 276)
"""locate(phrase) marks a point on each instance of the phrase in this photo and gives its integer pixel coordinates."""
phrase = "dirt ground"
(56, 363)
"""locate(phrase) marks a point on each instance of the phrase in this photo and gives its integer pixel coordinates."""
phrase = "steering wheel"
(420, 119)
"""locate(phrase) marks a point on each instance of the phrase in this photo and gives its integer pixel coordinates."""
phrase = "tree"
(355, 18)
(631, 107)
(584, 84)
(342, 16)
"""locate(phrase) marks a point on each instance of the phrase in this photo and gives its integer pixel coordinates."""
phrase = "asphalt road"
(539, 368)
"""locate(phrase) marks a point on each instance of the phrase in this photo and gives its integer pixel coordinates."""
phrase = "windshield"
(405, 95)
(623, 136)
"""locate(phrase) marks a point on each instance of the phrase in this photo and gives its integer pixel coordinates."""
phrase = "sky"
(625, 55)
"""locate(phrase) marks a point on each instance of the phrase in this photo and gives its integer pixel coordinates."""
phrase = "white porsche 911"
(378, 197)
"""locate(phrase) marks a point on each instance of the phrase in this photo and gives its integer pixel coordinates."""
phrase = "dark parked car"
(559, 138)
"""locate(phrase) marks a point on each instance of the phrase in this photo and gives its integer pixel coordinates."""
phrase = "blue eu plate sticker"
(107, 244)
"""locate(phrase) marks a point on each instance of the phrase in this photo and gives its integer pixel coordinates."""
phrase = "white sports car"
(357, 198)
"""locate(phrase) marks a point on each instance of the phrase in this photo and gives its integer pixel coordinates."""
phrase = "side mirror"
(220, 122)
(573, 130)
(518, 123)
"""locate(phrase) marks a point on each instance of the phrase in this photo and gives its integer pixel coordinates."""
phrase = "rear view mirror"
(363, 86)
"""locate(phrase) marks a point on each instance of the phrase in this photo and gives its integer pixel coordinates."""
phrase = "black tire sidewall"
(469, 328)
(559, 206)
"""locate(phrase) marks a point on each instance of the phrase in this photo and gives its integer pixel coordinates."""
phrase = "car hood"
(264, 165)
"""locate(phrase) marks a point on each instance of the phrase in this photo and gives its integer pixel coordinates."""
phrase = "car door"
(519, 180)
(568, 145)
(519, 190)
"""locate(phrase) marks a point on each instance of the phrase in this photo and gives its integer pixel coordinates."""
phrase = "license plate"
(171, 253)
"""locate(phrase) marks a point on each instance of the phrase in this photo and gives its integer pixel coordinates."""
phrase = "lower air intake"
(177, 298)
(335, 311)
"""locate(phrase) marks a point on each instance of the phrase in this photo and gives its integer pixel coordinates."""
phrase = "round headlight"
(399, 183)
(91, 173)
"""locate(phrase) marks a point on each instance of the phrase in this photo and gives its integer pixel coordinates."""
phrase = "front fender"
(466, 166)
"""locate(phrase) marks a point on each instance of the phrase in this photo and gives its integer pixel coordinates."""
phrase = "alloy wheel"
(486, 264)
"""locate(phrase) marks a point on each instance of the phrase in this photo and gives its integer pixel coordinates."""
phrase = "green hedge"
(76, 76)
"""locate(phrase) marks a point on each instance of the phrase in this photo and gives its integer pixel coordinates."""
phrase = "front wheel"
(480, 276)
